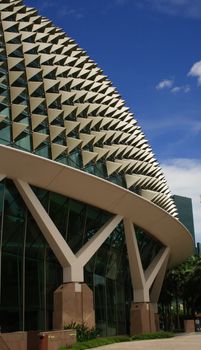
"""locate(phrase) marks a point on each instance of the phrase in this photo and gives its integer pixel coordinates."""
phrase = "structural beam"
(73, 264)
(141, 293)
(156, 265)
(57, 243)
(143, 281)
(158, 282)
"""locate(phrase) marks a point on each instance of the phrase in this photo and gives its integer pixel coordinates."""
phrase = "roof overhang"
(77, 184)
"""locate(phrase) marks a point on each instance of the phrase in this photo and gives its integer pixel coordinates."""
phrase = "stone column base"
(189, 326)
(73, 302)
(142, 318)
(157, 322)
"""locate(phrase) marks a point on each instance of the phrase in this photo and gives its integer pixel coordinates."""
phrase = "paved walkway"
(191, 341)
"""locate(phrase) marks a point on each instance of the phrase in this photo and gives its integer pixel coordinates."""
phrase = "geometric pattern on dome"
(55, 102)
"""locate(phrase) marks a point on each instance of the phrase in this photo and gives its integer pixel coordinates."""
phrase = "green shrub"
(93, 343)
(84, 333)
(156, 335)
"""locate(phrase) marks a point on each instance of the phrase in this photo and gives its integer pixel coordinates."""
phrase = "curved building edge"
(73, 183)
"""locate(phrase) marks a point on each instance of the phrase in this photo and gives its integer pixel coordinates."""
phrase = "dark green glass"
(148, 246)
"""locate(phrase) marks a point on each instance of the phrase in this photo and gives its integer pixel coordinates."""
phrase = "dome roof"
(55, 102)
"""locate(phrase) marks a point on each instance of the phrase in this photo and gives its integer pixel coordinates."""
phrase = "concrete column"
(142, 314)
(156, 289)
(156, 316)
(73, 302)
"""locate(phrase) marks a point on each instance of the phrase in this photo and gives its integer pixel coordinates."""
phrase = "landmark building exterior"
(185, 212)
(88, 226)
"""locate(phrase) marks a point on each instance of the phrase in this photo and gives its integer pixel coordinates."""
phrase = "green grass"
(93, 343)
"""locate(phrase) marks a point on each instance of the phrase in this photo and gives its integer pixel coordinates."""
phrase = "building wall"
(64, 127)
(185, 212)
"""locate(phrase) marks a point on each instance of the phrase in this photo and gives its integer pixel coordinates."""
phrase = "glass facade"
(108, 274)
(148, 246)
(185, 213)
(30, 273)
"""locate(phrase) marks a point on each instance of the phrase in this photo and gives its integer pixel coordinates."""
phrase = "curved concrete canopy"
(74, 183)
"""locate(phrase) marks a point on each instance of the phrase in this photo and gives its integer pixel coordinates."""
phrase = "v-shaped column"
(73, 264)
(142, 280)
(142, 312)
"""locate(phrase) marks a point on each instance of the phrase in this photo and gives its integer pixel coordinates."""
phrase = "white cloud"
(176, 89)
(168, 84)
(195, 71)
(184, 178)
(183, 88)
(64, 11)
(196, 127)
(164, 84)
(186, 89)
(181, 8)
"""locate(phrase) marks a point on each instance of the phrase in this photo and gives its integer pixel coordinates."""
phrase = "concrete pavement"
(190, 341)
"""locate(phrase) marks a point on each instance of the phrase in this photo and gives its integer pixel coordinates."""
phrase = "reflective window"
(30, 272)
(148, 246)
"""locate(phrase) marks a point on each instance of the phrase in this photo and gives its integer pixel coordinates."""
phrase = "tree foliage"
(181, 293)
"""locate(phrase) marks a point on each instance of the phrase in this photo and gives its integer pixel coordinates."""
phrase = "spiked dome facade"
(64, 129)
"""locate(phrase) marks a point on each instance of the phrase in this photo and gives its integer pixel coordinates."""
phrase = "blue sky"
(151, 51)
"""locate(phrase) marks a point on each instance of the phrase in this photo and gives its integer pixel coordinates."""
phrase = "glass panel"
(112, 303)
(37, 278)
(54, 278)
(44, 151)
(111, 307)
(58, 211)
(24, 142)
(5, 133)
(1, 202)
(95, 219)
(148, 246)
(121, 309)
(76, 225)
(100, 304)
(12, 260)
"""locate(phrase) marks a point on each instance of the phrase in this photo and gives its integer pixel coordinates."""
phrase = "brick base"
(189, 326)
(142, 318)
(73, 302)
(14, 341)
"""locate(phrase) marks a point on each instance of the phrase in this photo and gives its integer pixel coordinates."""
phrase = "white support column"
(142, 281)
(143, 317)
(73, 264)
(156, 288)
(57, 243)
(155, 266)
(73, 273)
(157, 285)
(136, 268)
(141, 293)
